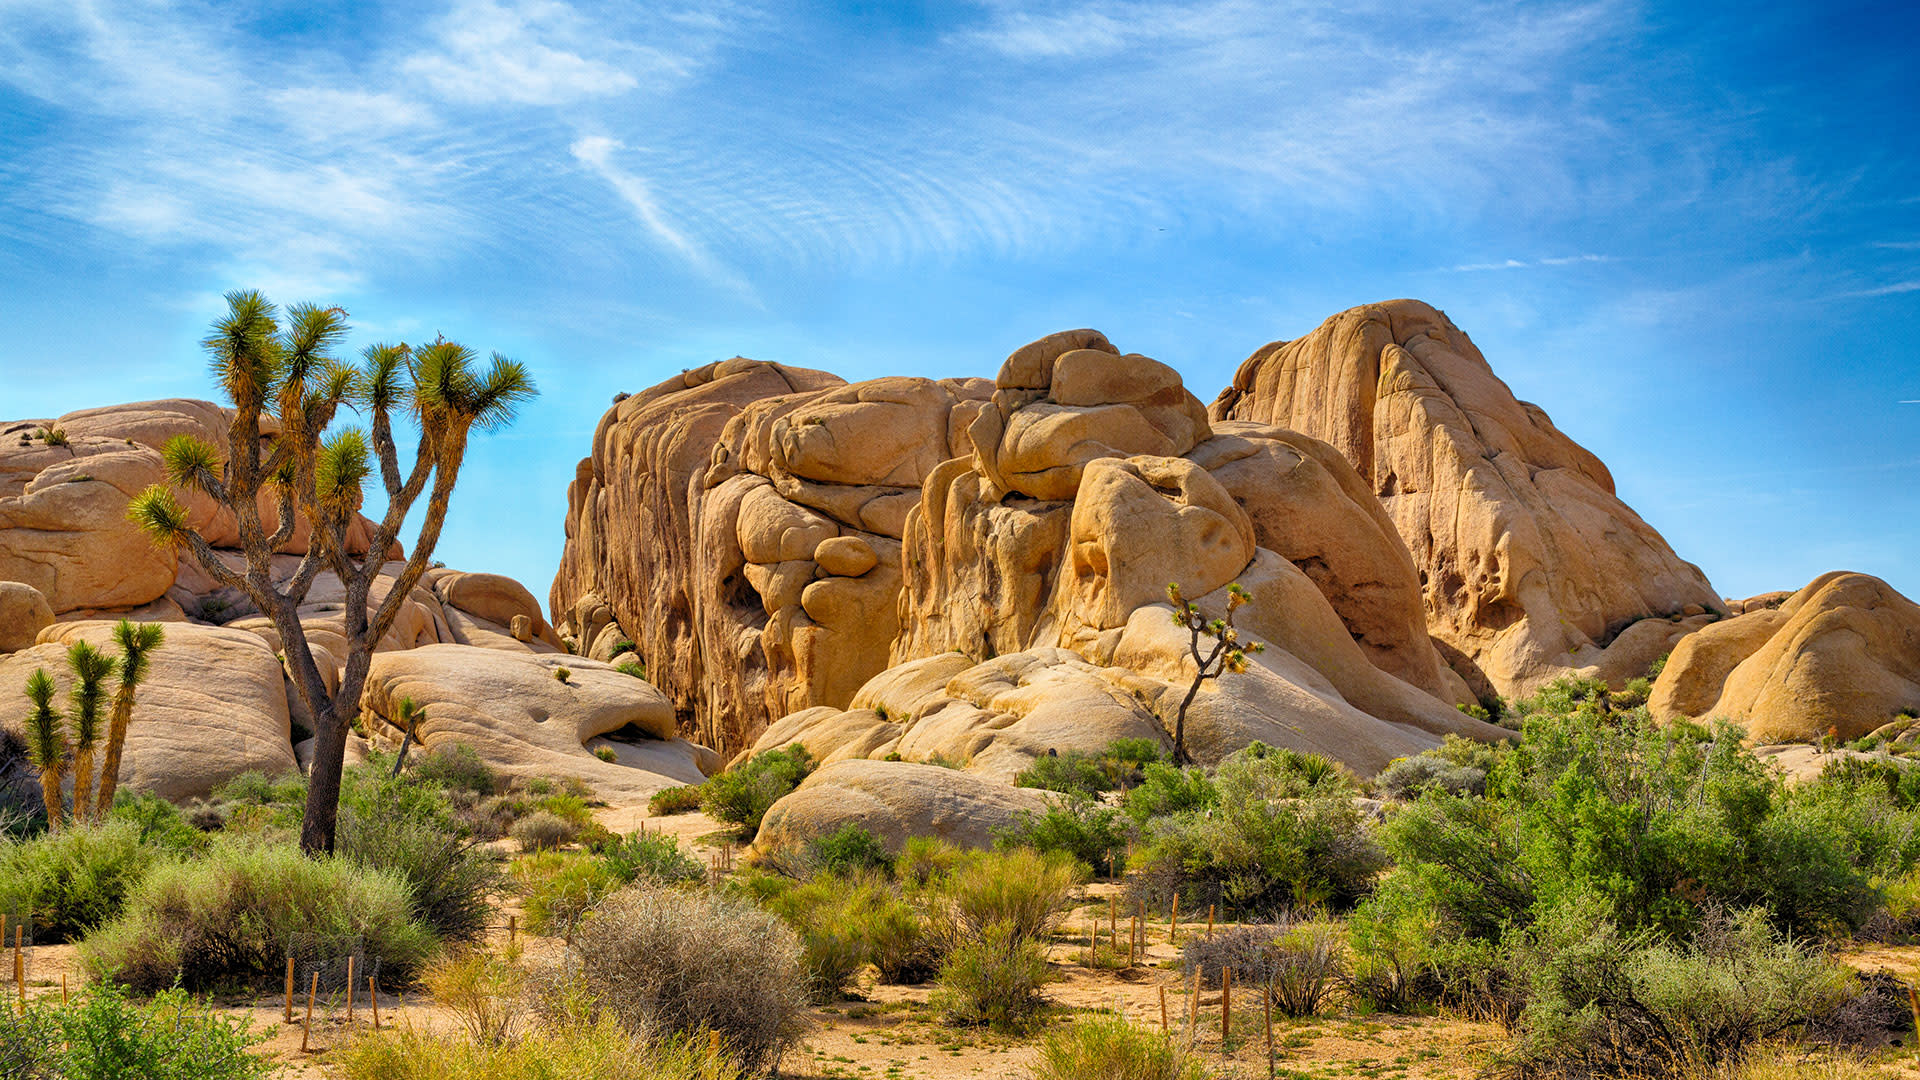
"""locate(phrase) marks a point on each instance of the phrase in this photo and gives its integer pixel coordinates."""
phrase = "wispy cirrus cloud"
(1528, 264)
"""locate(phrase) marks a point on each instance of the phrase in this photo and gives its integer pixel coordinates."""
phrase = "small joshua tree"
(1227, 652)
(46, 742)
(287, 373)
(136, 641)
(91, 669)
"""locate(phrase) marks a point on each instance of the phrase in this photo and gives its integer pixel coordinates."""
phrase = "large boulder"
(536, 715)
(1841, 656)
(895, 800)
(212, 707)
(23, 614)
(1531, 565)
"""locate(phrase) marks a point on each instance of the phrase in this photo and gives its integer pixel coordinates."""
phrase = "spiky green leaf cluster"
(46, 732)
(136, 641)
(191, 463)
(160, 515)
(340, 469)
(91, 668)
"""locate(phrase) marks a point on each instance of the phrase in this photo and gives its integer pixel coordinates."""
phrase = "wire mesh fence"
(333, 957)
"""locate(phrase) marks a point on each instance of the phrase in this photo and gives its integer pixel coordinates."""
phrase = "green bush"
(741, 796)
(674, 800)
(1165, 790)
(75, 879)
(1119, 766)
(561, 887)
(455, 767)
(1021, 892)
(543, 831)
(1106, 1047)
(1458, 765)
(1091, 833)
(227, 919)
(1604, 1002)
(672, 963)
(449, 877)
(849, 849)
(994, 979)
(648, 855)
(1283, 833)
(927, 860)
(106, 1037)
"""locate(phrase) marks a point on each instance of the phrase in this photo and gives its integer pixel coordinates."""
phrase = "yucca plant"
(136, 641)
(1227, 652)
(46, 742)
(91, 669)
(284, 370)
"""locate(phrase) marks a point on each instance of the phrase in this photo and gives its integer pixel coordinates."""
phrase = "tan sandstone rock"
(525, 721)
(1841, 655)
(895, 800)
(1530, 563)
(23, 614)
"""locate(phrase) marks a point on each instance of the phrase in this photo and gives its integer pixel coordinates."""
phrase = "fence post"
(373, 995)
(306, 1028)
(1163, 1009)
(1133, 940)
(1173, 921)
(1269, 1003)
(1210, 922)
(289, 1017)
(1193, 1006)
(349, 988)
(20, 967)
(1226, 1005)
(513, 928)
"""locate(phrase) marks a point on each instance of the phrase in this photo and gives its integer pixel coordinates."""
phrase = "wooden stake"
(1113, 916)
(713, 1043)
(1193, 1004)
(1132, 940)
(1226, 1005)
(1163, 1009)
(373, 995)
(1173, 922)
(1093, 943)
(306, 1028)
(513, 928)
(1268, 999)
(289, 989)
(63, 988)
(19, 966)
(1209, 922)
(349, 989)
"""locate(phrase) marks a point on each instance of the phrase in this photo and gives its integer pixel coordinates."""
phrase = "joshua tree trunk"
(116, 744)
(50, 783)
(83, 785)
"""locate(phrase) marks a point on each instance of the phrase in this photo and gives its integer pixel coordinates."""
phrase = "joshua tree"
(91, 669)
(289, 375)
(1228, 653)
(46, 742)
(136, 642)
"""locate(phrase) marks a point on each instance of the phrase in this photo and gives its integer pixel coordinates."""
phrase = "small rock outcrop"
(895, 800)
(1840, 657)
(1531, 566)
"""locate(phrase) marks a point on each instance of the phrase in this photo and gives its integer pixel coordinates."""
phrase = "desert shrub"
(1017, 892)
(599, 1048)
(741, 796)
(253, 801)
(1091, 833)
(1119, 766)
(1106, 1047)
(849, 849)
(483, 988)
(227, 919)
(674, 800)
(75, 879)
(824, 913)
(1241, 949)
(455, 767)
(1284, 833)
(1457, 765)
(542, 830)
(448, 876)
(1614, 1003)
(993, 979)
(1166, 789)
(1394, 963)
(1299, 964)
(561, 887)
(160, 822)
(631, 667)
(671, 963)
(606, 754)
(106, 1037)
(925, 860)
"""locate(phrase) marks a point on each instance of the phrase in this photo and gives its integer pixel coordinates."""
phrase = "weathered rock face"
(524, 720)
(741, 526)
(63, 521)
(212, 706)
(895, 800)
(1841, 655)
(1034, 614)
(1530, 565)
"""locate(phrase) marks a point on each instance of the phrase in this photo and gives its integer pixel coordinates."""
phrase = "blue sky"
(1690, 232)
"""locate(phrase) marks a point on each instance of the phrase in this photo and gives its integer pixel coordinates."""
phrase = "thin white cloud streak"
(1895, 289)
(596, 153)
(1523, 264)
